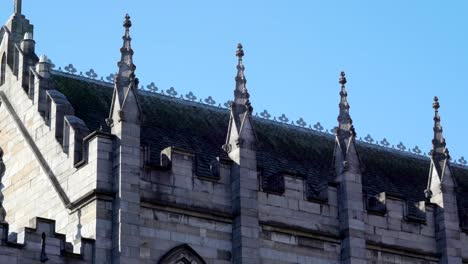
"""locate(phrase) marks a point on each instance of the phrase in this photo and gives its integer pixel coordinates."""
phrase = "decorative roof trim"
(151, 89)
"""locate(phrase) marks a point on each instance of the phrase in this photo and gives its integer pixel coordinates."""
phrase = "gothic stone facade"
(99, 173)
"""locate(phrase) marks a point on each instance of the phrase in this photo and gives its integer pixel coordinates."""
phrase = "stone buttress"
(125, 122)
(349, 176)
(441, 191)
(240, 146)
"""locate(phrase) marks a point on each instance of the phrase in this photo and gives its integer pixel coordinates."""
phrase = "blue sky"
(397, 55)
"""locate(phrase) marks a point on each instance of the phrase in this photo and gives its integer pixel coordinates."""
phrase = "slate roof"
(202, 130)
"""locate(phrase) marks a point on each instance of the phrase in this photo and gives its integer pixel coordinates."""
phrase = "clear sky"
(397, 55)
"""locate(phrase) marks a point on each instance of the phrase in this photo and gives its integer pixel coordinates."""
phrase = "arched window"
(3, 69)
(182, 254)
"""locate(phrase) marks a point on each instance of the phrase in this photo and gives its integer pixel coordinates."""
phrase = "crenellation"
(180, 185)
(57, 107)
(74, 132)
(396, 207)
(293, 187)
(376, 204)
(394, 230)
(318, 192)
(25, 58)
(40, 82)
(31, 180)
(247, 201)
(41, 243)
(292, 207)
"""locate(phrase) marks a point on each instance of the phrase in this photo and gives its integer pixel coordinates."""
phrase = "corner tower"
(15, 28)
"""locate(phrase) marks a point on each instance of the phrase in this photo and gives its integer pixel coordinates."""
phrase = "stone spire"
(18, 6)
(241, 109)
(345, 129)
(439, 153)
(126, 73)
(126, 84)
(241, 95)
(349, 175)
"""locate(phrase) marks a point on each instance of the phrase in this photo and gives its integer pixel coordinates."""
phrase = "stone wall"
(41, 177)
(41, 244)
(181, 208)
(55, 168)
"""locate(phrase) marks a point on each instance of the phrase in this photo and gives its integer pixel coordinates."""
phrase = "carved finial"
(342, 80)
(127, 22)
(240, 51)
(18, 6)
(436, 104)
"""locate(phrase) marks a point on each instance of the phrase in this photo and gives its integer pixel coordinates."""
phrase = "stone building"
(100, 172)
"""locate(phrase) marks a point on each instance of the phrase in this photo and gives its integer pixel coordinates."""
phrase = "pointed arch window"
(3, 69)
(182, 254)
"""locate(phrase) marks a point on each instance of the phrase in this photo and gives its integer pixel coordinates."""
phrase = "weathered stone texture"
(103, 186)
(163, 230)
(393, 229)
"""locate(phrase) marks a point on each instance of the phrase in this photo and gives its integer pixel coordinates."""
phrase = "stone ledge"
(403, 251)
(300, 231)
(187, 210)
